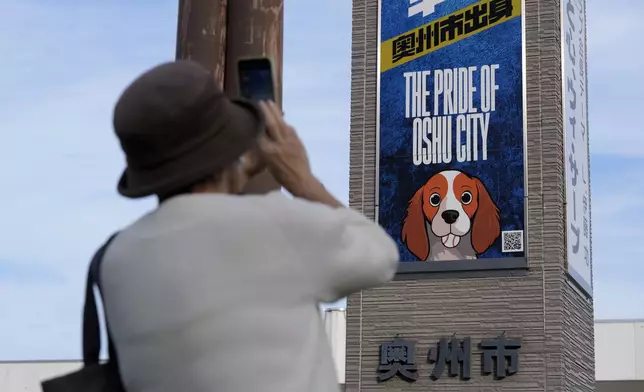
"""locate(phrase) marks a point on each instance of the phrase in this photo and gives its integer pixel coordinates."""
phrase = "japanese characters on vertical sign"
(449, 357)
(575, 111)
(451, 138)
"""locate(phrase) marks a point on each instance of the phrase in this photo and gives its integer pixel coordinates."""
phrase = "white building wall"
(335, 323)
(619, 350)
(639, 350)
(27, 376)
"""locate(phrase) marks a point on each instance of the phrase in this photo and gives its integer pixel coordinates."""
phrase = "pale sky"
(64, 63)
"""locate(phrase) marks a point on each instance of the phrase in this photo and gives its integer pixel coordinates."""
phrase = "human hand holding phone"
(283, 150)
(286, 158)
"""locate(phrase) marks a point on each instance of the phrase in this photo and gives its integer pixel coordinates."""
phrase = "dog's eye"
(435, 199)
(466, 197)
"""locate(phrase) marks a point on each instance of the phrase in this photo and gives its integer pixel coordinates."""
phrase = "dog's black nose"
(450, 216)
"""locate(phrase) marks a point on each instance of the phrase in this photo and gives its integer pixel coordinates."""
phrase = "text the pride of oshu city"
(451, 113)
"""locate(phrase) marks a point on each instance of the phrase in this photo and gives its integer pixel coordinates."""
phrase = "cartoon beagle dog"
(451, 217)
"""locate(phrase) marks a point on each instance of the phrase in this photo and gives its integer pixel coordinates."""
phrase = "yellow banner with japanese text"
(447, 30)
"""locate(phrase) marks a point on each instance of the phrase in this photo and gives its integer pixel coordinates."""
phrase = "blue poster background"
(503, 171)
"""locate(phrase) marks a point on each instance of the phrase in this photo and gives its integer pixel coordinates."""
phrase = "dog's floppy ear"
(414, 231)
(486, 227)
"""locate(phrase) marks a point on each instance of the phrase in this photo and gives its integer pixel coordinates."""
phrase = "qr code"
(512, 241)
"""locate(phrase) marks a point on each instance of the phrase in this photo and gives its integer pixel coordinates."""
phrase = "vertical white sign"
(575, 111)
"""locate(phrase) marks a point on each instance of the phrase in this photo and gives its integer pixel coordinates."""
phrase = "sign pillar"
(469, 146)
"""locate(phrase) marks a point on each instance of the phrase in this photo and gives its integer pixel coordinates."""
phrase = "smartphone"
(256, 80)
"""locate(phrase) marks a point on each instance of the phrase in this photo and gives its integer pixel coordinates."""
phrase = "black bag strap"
(91, 323)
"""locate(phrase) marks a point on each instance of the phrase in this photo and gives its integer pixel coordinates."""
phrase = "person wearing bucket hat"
(177, 128)
(215, 290)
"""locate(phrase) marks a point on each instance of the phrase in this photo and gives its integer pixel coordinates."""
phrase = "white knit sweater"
(220, 293)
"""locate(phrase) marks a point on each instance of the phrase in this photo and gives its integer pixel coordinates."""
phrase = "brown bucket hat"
(176, 127)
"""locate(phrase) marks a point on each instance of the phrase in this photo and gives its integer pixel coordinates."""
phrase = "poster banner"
(451, 133)
(573, 20)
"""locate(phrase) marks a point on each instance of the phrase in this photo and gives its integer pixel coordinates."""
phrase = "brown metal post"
(201, 34)
(255, 29)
